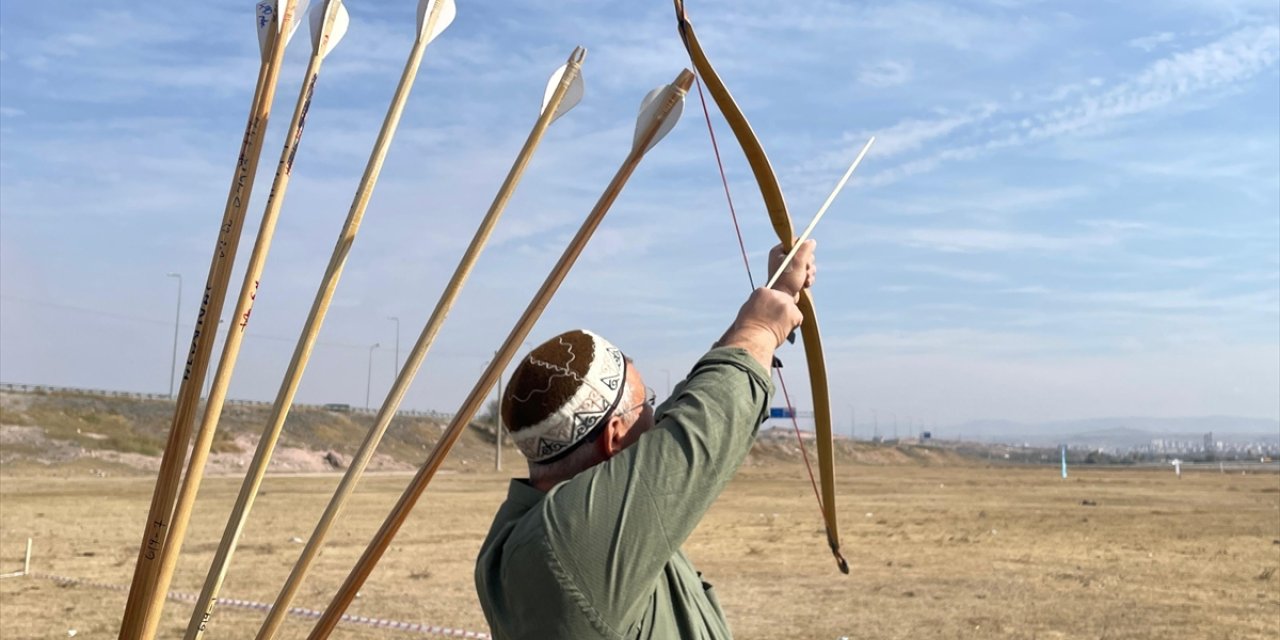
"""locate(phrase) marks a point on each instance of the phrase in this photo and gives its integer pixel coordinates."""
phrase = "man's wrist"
(758, 341)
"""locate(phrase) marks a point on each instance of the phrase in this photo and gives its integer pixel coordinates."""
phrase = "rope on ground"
(379, 623)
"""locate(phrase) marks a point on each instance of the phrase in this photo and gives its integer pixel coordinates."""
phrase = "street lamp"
(173, 362)
(368, 381)
(396, 365)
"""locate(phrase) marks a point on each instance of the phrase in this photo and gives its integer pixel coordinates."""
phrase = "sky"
(1072, 210)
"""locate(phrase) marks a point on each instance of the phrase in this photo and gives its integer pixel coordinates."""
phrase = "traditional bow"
(781, 219)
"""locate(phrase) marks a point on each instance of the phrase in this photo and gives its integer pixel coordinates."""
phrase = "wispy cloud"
(1152, 42)
(1166, 83)
(886, 73)
(971, 240)
(963, 275)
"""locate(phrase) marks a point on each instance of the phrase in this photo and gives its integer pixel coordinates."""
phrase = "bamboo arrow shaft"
(217, 397)
(808, 231)
(276, 617)
(413, 363)
(391, 526)
(142, 591)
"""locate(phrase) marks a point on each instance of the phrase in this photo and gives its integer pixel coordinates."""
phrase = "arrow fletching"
(649, 108)
(447, 12)
(334, 14)
(295, 20)
(572, 95)
(265, 15)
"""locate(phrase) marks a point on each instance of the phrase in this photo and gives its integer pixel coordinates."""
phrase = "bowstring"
(746, 263)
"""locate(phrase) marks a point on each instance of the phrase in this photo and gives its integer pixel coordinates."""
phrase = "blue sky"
(1072, 209)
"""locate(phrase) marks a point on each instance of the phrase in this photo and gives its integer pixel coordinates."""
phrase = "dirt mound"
(105, 435)
(119, 435)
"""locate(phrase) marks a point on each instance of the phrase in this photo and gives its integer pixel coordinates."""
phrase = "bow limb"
(822, 422)
(776, 207)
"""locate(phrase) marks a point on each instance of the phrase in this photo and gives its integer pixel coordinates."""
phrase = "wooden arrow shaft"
(226, 364)
(276, 617)
(808, 231)
(143, 592)
(391, 526)
(362, 457)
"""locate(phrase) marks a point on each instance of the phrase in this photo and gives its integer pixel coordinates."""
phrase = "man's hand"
(770, 315)
(799, 273)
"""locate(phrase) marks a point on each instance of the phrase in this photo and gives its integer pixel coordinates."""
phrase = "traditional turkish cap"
(561, 392)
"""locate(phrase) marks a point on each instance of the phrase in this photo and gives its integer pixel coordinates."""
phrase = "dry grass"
(936, 553)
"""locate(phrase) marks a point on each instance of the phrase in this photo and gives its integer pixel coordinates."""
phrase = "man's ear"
(610, 441)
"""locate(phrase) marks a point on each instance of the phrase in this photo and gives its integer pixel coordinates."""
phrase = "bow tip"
(842, 563)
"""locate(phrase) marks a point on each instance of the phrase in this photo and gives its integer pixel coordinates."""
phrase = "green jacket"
(599, 555)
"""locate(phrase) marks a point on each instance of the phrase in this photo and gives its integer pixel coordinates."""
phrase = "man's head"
(573, 402)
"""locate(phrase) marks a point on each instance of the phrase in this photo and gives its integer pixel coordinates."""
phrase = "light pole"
(396, 365)
(177, 315)
(499, 434)
(368, 381)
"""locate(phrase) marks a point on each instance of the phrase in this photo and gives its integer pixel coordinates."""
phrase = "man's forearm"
(759, 343)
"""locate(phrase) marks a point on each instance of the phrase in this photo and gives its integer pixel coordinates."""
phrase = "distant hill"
(1120, 432)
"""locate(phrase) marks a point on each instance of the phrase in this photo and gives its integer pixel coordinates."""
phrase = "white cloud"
(1239, 56)
(1153, 41)
(886, 73)
(1167, 83)
(963, 275)
(974, 240)
(11, 112)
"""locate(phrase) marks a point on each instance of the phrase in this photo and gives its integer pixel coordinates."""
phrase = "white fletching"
(299, 10)
(265, 16)
(648, 107)
(341, 20)
(572, 95)
(448, 11)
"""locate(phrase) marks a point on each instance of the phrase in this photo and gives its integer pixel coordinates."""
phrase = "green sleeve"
(613, 528)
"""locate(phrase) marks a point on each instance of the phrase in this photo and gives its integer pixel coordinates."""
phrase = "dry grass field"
(955, 552)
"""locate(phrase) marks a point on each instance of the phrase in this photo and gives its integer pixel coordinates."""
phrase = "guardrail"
(21, 387)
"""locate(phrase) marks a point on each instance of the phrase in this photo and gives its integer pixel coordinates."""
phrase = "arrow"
(560, 86)
(653, 126)
(142, 589)
(265, 12)
(329, 22)
(433, 17)
(795, 247)
(329, 13)
(572, 94)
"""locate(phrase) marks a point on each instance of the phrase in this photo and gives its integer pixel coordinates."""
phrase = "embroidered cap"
(561, 392)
